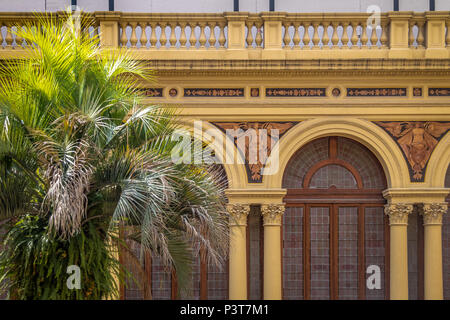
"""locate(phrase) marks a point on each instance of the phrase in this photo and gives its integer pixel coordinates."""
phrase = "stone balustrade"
(266, 35)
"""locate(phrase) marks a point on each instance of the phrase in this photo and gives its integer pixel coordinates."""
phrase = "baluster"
(287, 36)
(192, 37)
(212, 35)
(133, 38)
(325, 36)
(258, 39)
(163, 37)
(384, 33)
(153, 38)
(249, 39)
(173, 36)
(222, 34)
(420, 37)
(202, 39)
(315, 38)
(143, 39)
(364, 37)
(335, 36)
(306, 37)
(345, 37)
(373, 36)
(8, 38)
(183, 38)
(296, 37)
(354, 39)
(123, 37)
(411, 33)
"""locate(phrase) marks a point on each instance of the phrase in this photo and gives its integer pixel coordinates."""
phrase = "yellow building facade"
(356, 207)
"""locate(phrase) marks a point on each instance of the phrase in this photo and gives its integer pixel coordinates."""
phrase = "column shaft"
(432, 221)
(238, 251)
(272, 215)
(398, 221)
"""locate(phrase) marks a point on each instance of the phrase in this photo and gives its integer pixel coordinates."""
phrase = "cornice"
(372, 67)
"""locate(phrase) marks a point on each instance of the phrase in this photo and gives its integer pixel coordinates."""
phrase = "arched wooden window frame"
(333, 197)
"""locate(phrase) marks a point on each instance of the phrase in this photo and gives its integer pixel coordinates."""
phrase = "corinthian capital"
(272, 213)
(398, 212)
(432, 212)
(238, 214)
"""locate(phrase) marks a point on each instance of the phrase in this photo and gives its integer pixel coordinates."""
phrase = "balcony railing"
(268, 35)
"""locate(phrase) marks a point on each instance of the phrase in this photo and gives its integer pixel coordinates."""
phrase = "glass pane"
(193, 291)
(348, 253)
(293, 254)
(133, 289)
(320, 252)
(255, 225)
(375, 248)
(161, 281)
(333, 175)
(217, 283)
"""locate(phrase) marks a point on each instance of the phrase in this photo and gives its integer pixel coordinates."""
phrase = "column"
(238, 251)
(398, 221)
(272, 216)
(432, 220)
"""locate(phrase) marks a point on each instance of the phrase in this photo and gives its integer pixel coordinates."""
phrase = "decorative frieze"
(398, 213)
(272, 214)
(438, 92)
(376, 92)
(152, 92)
(253, 145)
(295, 92)
(214, 92)
(417, 139)
(432, 213)
(238, 214)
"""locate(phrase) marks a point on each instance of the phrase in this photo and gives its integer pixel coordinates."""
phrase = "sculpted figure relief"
(417, 140)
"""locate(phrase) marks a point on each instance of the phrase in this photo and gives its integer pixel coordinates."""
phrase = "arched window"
(334, 226)
(208, 281)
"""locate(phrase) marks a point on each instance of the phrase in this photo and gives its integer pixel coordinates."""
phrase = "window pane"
(348, 253)
(333, 175)
(161, 281)
(375, 247)
(293, 254)
(217, 283)
(320, 252)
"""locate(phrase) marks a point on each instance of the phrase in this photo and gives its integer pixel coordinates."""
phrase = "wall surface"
(202, 6)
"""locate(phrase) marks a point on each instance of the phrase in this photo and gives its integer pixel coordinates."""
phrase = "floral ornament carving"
(238, 214)
(398, 213)
(417, 140)
(433, 212)
(272, 213)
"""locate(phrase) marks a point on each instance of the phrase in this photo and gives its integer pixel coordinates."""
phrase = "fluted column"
(238, 251)
(432, 220)
(272, 216)
(398, 221)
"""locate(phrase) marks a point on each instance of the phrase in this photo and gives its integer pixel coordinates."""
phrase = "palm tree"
(80, 155)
